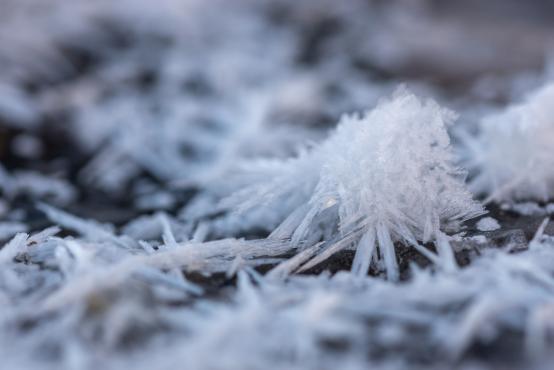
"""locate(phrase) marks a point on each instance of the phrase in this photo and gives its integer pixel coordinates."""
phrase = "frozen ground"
(244, 184)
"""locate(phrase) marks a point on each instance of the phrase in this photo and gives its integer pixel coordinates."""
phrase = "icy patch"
(487, 224)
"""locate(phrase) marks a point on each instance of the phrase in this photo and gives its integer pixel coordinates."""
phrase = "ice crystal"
(511, 154)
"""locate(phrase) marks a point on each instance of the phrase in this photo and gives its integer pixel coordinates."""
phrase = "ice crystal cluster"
(188, 184)
(384, 176)
(512, 153)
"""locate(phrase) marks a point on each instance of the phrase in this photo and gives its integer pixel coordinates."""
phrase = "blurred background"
(115, 108)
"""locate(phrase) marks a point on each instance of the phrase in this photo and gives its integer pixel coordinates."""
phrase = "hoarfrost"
(359, 189)
(511, 153)
(139, 107)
